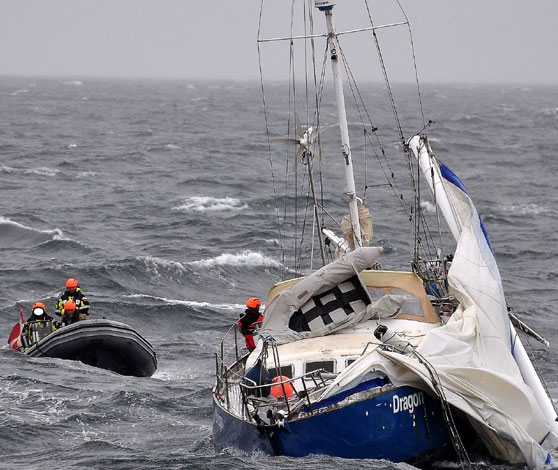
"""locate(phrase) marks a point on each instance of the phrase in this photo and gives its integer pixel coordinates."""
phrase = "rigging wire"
(411, 40)
(417, 213)
(270, 154)
(384, 71)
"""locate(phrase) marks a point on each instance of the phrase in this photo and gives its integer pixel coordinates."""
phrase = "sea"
(165, 199)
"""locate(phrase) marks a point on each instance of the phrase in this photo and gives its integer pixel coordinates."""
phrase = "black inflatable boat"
(102, 343)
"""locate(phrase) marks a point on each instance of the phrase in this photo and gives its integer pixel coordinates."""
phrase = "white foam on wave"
(210, 204)
(188, 303)
(43, 170)
(172, 146)
(52, 407)
(244, 258)
(154, 263)
(526, 209)
(72, 146)
(19, 92)
(86, 174)
(56, 233)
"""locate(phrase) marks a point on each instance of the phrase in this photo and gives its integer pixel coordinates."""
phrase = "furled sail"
(365, 221)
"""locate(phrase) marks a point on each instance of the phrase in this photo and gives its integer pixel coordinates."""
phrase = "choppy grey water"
(157, 197)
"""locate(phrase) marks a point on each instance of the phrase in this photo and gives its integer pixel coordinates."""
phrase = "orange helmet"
(38, 308)
(253, 302)
(71, 283)
(69, 306)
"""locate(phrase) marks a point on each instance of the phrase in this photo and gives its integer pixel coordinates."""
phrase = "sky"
(463, 41)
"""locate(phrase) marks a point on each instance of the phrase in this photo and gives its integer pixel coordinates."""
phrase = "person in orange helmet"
(70, 314)
(249, 320)
(38, 326)
(74, 293)
(39, 313)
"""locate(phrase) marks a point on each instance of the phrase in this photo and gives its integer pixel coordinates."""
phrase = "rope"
(448, 417)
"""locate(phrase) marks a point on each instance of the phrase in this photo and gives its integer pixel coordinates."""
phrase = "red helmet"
(253, 302)
(69, 306)
(71, 283)
(38, 308)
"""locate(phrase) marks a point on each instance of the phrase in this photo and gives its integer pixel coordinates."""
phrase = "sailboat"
(356, 361)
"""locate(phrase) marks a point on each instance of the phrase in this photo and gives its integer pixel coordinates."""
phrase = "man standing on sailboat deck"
(248, 321)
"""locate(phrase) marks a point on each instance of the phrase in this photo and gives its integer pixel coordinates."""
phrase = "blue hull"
(401, 425)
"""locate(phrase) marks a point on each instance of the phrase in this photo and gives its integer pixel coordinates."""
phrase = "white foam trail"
(210, 204)
(245, 258)
(172, 146)
(55, 233)
(189, 303)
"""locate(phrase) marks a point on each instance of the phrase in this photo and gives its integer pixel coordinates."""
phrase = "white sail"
(473, 353)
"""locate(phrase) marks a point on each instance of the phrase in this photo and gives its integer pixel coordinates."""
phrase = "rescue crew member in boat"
(39, 313)
(248, 321)
(38, 326)
(70, 313)
(74, 293)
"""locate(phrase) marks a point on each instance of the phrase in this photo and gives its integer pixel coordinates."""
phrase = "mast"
(327, 7)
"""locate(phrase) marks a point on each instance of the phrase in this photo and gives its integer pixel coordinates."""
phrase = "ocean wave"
(550, 112)
(526, 209)
(42, 171)
(245, 258)
(210, 204)
(155, 264)
(85, 174)
(188, 303)
(19, 235)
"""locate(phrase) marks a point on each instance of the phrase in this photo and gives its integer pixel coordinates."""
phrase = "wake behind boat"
(359, 362)
(103, 343)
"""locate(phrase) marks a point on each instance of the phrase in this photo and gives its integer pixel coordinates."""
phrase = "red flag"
(15, 336)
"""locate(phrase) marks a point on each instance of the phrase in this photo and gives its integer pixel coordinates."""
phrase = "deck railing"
(230, 369)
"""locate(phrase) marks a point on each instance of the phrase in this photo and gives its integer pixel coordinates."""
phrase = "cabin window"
(412, 305)
(328, 366)
(376, 292)
(286, 371)
(348, 362)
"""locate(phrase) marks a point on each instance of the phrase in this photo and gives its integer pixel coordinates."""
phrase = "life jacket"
(247, 324)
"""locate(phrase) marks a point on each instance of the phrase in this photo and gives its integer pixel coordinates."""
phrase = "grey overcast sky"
(508, 41)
